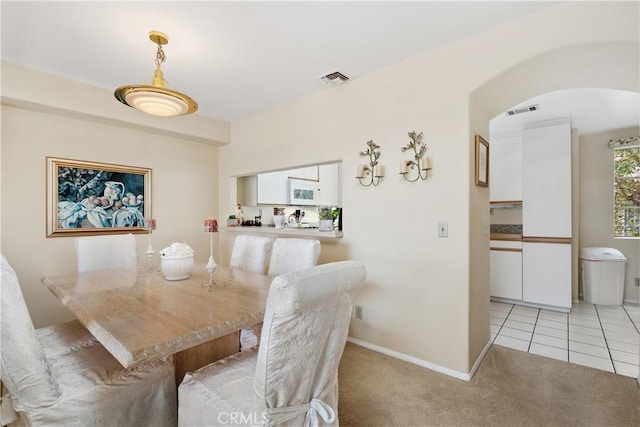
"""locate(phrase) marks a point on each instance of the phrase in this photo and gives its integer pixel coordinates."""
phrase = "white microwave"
(303, 192)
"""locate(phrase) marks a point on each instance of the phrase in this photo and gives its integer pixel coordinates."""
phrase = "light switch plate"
(443, 229)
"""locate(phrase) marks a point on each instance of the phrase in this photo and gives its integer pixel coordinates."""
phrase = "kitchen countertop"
(289, 232)
(506, 228)
(511, 232)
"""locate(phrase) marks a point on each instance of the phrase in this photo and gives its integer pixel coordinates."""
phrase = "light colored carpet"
(510, 388)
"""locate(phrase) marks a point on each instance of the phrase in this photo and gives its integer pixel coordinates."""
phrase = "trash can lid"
(602, 254)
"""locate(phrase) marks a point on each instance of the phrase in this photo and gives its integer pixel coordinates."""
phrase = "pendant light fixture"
(156, 99)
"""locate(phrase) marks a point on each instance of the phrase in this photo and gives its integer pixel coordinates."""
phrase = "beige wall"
(479, 255)
(596, 204)
(184, 193)
(427, 297)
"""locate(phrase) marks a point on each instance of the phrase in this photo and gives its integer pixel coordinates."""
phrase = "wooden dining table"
(139, 316)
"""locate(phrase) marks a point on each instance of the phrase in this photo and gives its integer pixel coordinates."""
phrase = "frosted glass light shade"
(156, 100)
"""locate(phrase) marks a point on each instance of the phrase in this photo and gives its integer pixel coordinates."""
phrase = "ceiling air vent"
(521, 110)
(334, 78)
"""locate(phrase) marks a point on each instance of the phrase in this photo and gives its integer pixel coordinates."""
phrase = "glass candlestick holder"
(211, 267)
(210, 227)
(150, 225)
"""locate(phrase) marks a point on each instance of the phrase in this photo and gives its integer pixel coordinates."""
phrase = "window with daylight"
(626, 176)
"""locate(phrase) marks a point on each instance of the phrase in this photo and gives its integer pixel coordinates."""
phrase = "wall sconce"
(420, 162)
(373, 170)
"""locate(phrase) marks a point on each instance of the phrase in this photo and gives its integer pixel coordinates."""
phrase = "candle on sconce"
(378, 171)
(404, 167)
(210, 226)
(425, 163)
(360, 173)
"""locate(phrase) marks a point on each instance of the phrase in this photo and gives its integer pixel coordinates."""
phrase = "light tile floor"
(599, 336)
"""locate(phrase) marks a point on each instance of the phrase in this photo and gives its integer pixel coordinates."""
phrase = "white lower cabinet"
(546, 272)
(506, 274)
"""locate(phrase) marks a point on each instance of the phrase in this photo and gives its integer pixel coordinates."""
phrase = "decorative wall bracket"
(420, 163)
(373, 172)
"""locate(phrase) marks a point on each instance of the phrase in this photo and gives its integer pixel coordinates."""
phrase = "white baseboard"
(631, 301)
(483, 353)
(533, 305)
(424, 363)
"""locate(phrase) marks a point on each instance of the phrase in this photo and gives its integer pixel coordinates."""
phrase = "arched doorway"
(597, 65)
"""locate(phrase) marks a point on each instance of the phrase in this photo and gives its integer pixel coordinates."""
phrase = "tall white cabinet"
(546, 215)
(546, 181)
(538, 173)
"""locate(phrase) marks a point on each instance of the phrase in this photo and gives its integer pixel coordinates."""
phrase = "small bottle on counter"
(239, 214)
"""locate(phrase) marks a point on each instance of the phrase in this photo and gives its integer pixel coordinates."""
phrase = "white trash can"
(603, 275)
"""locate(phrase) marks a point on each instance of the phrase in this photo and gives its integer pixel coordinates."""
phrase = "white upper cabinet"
(309, 172)
(330, 184)
(273, 188)
(505, 168)
(546, 181)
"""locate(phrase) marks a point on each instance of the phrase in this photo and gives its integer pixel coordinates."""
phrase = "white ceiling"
(238, 58)
(588, 111)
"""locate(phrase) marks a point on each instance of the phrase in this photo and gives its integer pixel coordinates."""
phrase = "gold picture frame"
(86, 198)
(482, 162)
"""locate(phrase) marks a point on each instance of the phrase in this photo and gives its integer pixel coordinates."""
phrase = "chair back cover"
(106, 252)
(291, 254)
(24, 369)
(305, 330)
(250, 253)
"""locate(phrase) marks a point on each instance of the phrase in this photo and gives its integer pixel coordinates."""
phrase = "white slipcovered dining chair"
(288, 254)
(291, 379)
(291, 254)
(106, 252)
(250, 253)
(60, 375)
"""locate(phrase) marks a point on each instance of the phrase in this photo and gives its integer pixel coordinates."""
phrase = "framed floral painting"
(86, 198)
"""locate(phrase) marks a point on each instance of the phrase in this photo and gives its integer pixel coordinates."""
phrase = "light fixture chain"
(160, 55)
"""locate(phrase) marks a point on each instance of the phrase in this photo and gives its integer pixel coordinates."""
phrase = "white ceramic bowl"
(176, 267)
